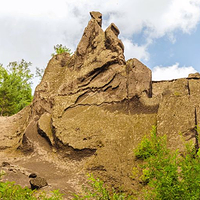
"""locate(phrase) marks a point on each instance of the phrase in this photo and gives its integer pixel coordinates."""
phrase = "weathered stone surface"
(5, 164)
(195, 75)
(176, 119)
(48, 88)
(139, 79)
(94, 101)
(94, 107)
(37, 183)
(194, 88)
(97, 16)
(178, 113)
(12, 129)
(177, 88)
(44, 127)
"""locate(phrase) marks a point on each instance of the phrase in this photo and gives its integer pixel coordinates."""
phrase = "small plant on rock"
(59, 49)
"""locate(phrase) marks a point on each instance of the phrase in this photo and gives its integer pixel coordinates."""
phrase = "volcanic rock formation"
(91, 109)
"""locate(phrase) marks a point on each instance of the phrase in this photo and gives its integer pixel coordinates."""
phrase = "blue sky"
(185, 50)
(163, 34)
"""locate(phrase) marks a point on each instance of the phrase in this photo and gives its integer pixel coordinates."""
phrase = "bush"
(150, 146)
(59, 49)
(97, 191)
(168, 175)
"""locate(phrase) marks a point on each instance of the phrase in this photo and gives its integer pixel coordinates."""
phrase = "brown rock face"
(195, 75)
(97, 16)
(93, 108)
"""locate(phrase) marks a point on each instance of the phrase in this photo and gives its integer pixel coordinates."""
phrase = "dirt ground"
(60, 172)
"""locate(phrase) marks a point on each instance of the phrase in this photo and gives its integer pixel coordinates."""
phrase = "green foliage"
(21, 69)
(59, 49)
(150, 146)
(15, 87)
(8, 191)
(169, 175)
(55, 195)
(97, 191)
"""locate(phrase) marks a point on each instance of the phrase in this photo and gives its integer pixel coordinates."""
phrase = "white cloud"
(181, 15)
(155, 18)
(134, 50)
(30, 29)
(49, 21)
(35, 9)
(171, 72)
(158, 17)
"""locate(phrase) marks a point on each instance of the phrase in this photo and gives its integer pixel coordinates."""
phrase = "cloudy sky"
(163, 34)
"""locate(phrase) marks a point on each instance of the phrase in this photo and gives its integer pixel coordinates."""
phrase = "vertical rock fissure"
(127, 87)
(127, 81)
(188, 87)
(196, 132)
(150, 94)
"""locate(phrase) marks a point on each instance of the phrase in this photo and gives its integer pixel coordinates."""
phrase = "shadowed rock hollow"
(91, 110)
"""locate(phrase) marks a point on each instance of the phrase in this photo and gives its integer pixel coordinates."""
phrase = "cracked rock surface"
(91, 110)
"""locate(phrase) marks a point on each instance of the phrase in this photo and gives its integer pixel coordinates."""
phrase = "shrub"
(169, 175)
(97, 191)
(59, 49)
(150, 146)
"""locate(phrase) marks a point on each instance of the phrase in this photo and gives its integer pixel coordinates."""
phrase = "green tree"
(15, 87)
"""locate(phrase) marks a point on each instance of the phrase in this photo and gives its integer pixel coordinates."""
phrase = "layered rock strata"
(96, 106)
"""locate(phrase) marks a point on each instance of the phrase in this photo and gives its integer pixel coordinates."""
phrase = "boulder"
(12, 130)
(37, 183)
(5, 164)
(44, 127)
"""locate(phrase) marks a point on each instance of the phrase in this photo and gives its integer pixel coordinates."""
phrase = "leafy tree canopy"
(15, 87)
